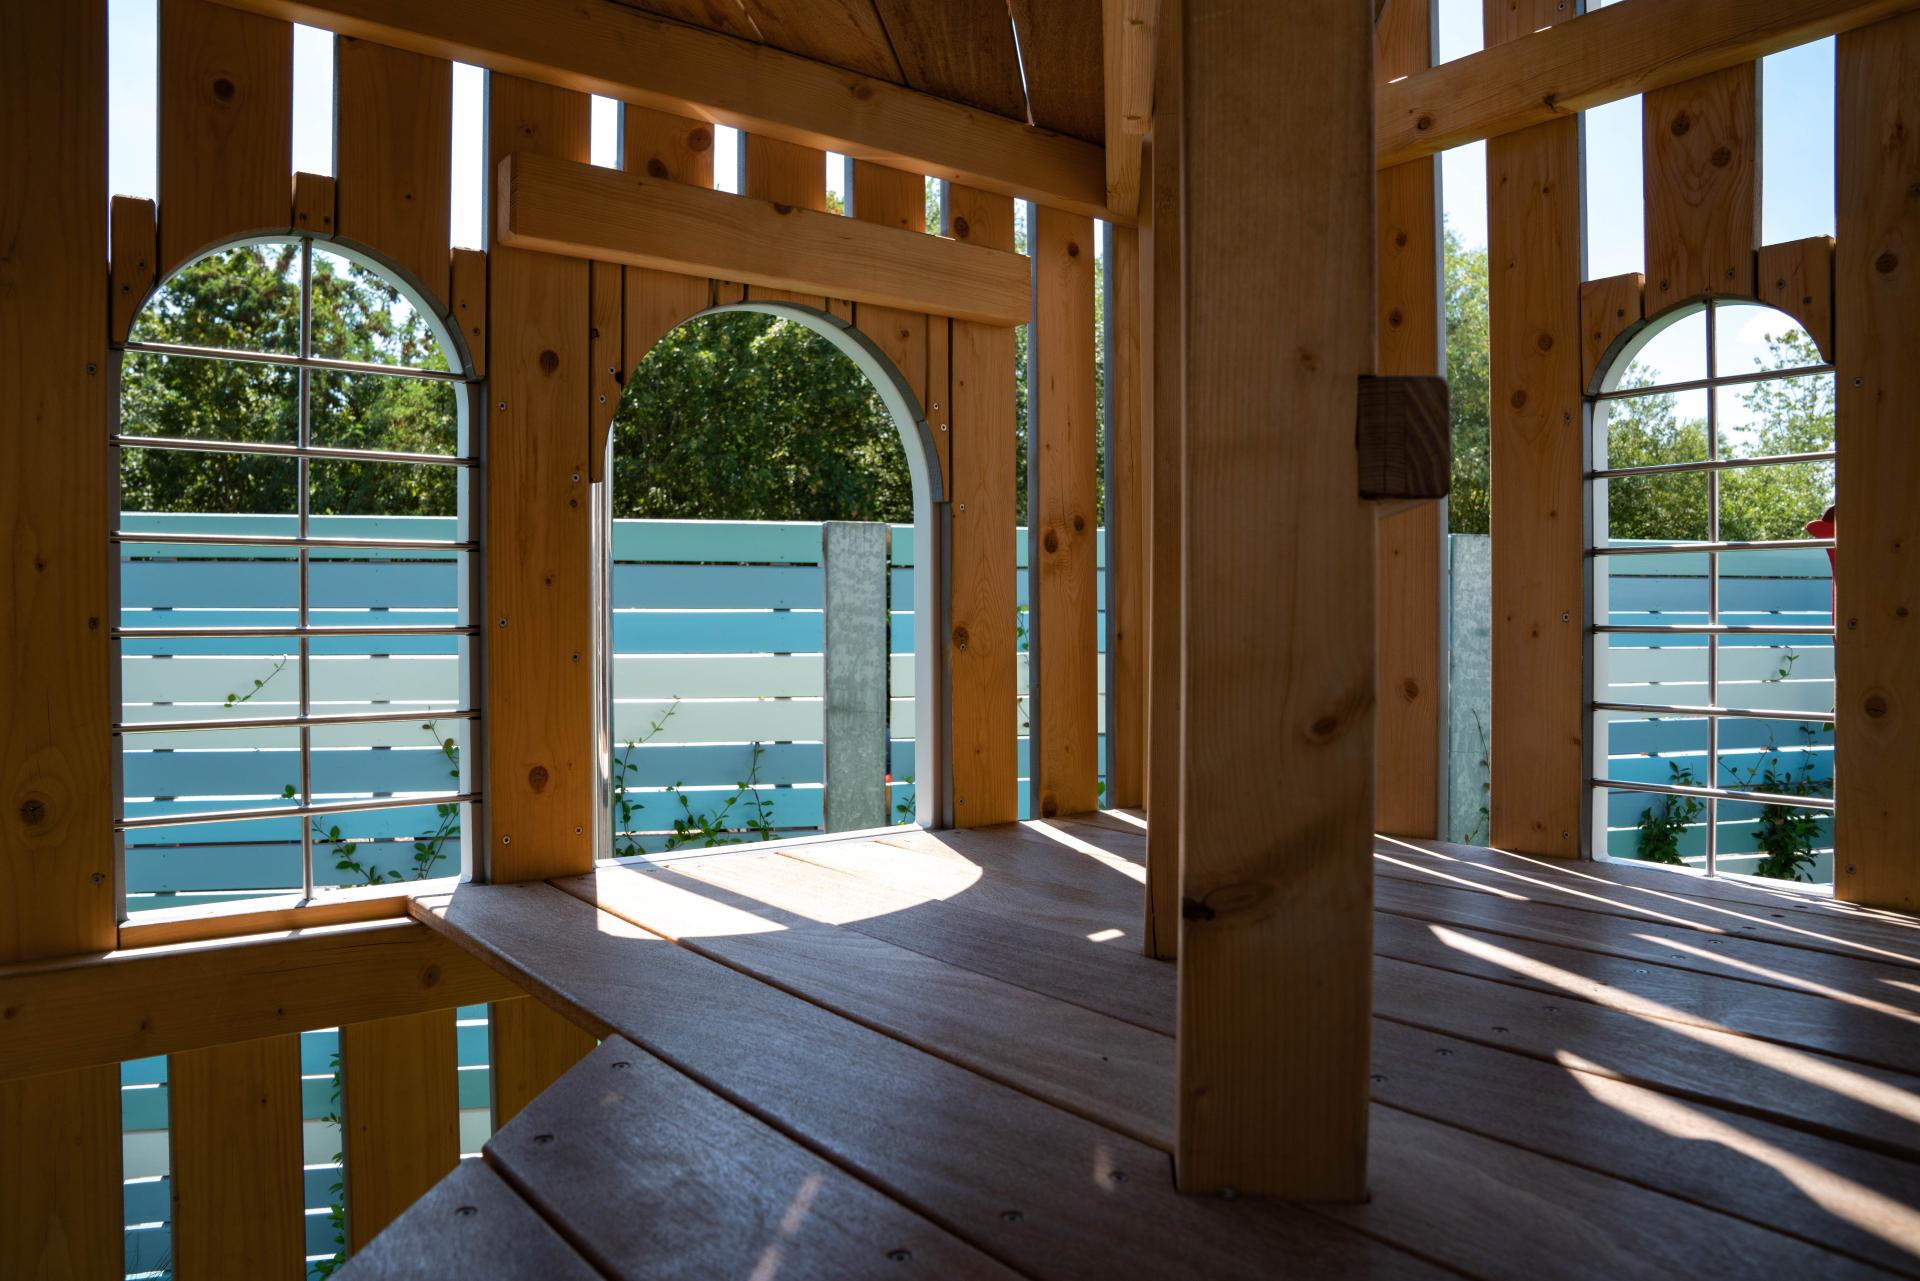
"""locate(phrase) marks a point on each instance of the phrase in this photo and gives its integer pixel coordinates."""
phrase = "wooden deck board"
(471, 1224)
(1575, 1073)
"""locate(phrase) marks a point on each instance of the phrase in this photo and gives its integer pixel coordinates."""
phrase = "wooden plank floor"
(943, 1053)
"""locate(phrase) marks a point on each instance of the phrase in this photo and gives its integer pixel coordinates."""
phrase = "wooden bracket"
(1403, 438)
(313, 203)
(136, 253)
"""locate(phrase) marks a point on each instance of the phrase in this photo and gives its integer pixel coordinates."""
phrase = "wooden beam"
(233, 1128)
(1126, 527)
(582, 211)
(1402, 438)
(1611, 53)
(1797, 277)
(400, 1115)
(620, 52)
(1279, 681)
(1701, 154)
(532, 1046)
(982, 643)
(1127, 38)
(226, 126)
(1061, 479)
(1608, 309)
(393, 155)
(1877, 578)
(273, 913)
(128, 1005)
(60, 1144)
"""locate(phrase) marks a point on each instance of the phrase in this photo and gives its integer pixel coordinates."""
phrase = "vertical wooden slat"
(675, 149)
(400, 1108)
(59, 1134)
(1410, 719)
(393, 155)
(982, 643)
(1162, 925)
(234, 1141)
(1797, 277)
(1701, 155)
(540, 743)
(468, 302)
(787, 174)
(1279, 619)
(893, 198)
(1126, 529)
(1062, 514)
(607, 359)
(1608, 308)
(226, 126)
(530, 1047)
(136, 256)
(1539, 610)
(1877, 580)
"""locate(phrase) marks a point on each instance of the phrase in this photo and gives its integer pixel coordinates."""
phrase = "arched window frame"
(466, 460)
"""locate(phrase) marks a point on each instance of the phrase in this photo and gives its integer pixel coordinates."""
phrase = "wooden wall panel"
(1877, 579)
(1279, 622)
(1608, 308)
(607, 360)
(1166, 466)
(392, 145)
(1126, 529)
(136, 258)
(226, 126)
(400, 1112)
(1533, 226)
(891, 198)
(234, 1129)
(787, 174)
(1701, 153)
(531, 1047)
(679, 149)
(1797, 277)
(540, 624)
(982, 643)
(61, 1217)
(1062, 515)
(468, 301)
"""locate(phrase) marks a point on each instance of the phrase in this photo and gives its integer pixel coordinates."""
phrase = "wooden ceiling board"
(1061, 48)
(846, 33)
(963, 50)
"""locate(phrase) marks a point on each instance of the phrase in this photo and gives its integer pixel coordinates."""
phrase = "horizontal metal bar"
(270, 449)
(291, 540)
(284, 633)
(294, 362)
(295, 811)
(1665, 549)
(1717, 794)
(1711, 629)
(295, 722)
(1750, 713)
(1712, 464)
(1719, 380)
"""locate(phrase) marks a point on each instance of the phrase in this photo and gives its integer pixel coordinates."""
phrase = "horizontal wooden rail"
(1611, 53)
(562, 207)
(112, 1006)
(620, 52)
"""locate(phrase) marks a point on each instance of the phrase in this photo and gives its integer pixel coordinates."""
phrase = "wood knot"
(960, 228)
(549, 361)
(1048, 807)
(1394, 318)
(1886, 262)
(1399, 240)
(1323, 728)
(1194, 910)
(1308, 361)
(1721, 157)
(1410, 689)
(1079, 524)
(862, 90)
(1682, 122)
(700, 139)
(430, 977)
(1423, 123)
(1073, 249)
(960, 638)
(1876, 705)
(656, 167)
(223, 89)
(537, 778)
(1544, 342)
(1519, 398)
(1050, 541)
(33, 811)
(1227, 899)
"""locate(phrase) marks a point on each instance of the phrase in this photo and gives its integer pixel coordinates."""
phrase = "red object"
(1824, 528)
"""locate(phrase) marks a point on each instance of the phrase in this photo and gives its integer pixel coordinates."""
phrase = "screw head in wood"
(466, 1211)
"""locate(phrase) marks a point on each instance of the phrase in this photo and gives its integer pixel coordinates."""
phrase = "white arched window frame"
(305, 541)
(1701, 621)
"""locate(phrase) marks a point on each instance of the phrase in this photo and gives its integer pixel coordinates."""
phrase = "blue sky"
(1796, 139)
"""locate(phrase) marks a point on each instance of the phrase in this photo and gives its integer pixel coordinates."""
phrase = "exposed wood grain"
(1061, 49)
(1127, 37)
(63, 1218)
(791, 176)
(678, 149)
(400, 1115)
(654, 1175)
(468, 302)
(530, 1048)
(1533, 207)
(1607, 54)
(57, 892)
(1063, 515)
(233, 1125)
(1608, 309)
(470, 1224)
(846, 33)
(393, 145)
(983, 643)
(1281, 318)
(606, 359)
(1701, 154)
(1403, 39)
(314, 200)
(1504, 20)
(657, 303)
(130, 1005)
(1797, 277)
(540, 737)
(135, 243)
(622, 53)
(1877, 579)
(1161, 929)
(1126, 484)
(889, 198)
(962, 50)
(201, 922)
(226, 126)
(780, 249)
(1403, 437)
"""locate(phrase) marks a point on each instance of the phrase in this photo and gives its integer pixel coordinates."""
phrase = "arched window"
(294, 481)
(1712, 497)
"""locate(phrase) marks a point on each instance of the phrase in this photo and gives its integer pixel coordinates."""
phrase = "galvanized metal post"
(854, 566)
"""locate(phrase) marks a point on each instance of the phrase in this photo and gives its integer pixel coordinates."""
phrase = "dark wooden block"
(1406, 449)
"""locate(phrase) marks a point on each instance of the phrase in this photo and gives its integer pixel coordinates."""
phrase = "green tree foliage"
(1468, 506)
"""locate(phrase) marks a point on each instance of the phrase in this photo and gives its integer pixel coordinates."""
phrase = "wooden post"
(59, 1133)
(1411, 715)
(1877, 580)
(1539, 596)
(1276, 935)
(393, 143)
(1127, 418)
(400, 1111)
(234, 1125)
(1701, 156)
(678, 149)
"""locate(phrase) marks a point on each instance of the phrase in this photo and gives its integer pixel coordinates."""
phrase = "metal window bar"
(316, 542)
(1754, 545)
(1682, 711)
(322, 719)
(1712, 794)
(306, 359)
(274, 449)
(1713, 594)
(304, 466)
(1714, 464)
(293, 632)
(1714, 629)
(298, 811)
(1712, 380)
